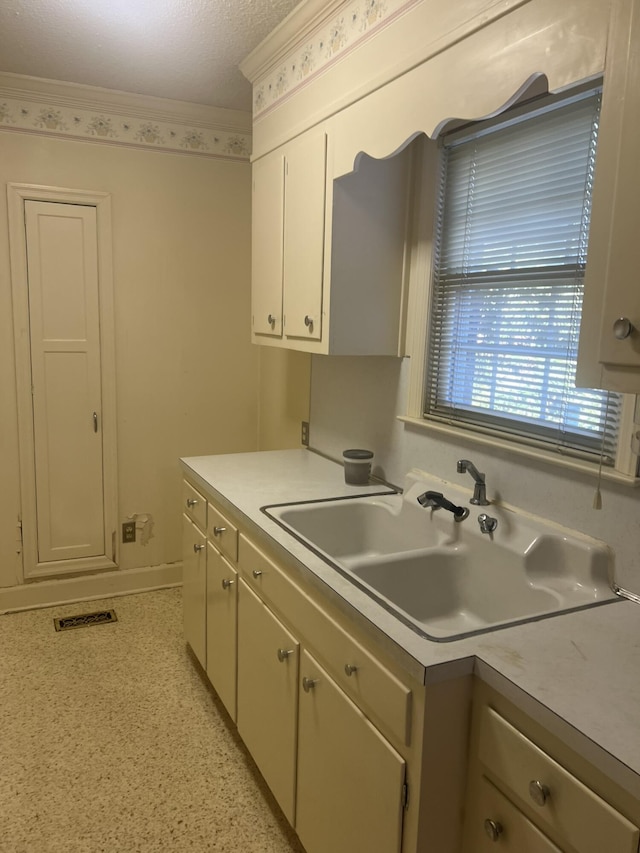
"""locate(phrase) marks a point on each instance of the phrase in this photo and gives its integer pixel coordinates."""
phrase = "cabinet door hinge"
(405, 796)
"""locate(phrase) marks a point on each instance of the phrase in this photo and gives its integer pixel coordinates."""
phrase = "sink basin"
(357, 527)
(446, 579)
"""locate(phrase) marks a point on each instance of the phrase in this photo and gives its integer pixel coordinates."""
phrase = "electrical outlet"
(304, 433)
(129, 531)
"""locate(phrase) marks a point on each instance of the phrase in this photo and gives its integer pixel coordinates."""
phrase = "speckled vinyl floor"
(110, 740)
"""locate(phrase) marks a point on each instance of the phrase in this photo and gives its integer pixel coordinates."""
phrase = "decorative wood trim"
(49, 593)
(91, 114)
(17, 194)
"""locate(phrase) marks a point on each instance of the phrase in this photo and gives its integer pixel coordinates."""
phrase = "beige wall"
(187, 375)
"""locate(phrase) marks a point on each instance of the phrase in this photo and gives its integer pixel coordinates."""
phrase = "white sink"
(447, 579)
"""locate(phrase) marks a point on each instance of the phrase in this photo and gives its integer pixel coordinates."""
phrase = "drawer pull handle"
(191, 502)
(349, 668)
(218, 531)
(283, 654)
(493, 829)
(538, 792)
(226, 583)
(198, 548)
(308, 684)
(256, 573)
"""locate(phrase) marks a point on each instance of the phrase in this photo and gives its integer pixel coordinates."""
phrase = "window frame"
(426, 181)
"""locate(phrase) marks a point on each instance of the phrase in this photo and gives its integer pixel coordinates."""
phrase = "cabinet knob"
(256, 573)
(218, 531)
(538, 792)
(308, 684)
(493, 829)
(283, 654)
(271, 320)
(191, 502)
(622, 328)
(308, 321)
(226, 583)
(349, 668)
(197, 548)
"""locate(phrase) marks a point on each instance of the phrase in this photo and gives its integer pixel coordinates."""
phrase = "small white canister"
(357, 466)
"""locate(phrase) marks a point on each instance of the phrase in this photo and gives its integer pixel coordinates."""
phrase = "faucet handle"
(487, 523)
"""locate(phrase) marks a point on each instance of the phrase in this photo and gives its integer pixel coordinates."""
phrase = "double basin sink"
(447, 579)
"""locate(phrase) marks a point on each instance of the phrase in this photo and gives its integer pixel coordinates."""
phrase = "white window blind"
(513, 224)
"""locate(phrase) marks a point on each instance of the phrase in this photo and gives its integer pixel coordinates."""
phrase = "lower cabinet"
(194, 588)
(268, 657)
(528, 792)
(496, 824)
(222, 608)
(350, 779)
(327, 723)
(360, 754)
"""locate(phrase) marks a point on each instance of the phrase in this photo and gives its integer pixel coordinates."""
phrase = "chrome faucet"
(479, 490)
(435, 500)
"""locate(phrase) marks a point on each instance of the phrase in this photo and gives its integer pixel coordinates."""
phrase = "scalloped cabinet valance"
(371, 75)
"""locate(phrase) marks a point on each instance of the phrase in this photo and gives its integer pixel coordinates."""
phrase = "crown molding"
(89, 113)
(62, 94)
(298, 26)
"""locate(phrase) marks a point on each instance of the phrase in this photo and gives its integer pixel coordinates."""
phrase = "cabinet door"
(267, 695)
(222, 598)
(194, 588)
(267, 221)
(350, 779)
(304, 219)
(611, 293)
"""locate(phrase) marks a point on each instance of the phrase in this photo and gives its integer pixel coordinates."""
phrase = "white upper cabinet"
(609, 355)
(266, 238)
(331, 252)
(304, 224)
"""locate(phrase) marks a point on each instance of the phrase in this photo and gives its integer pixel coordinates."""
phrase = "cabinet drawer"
(194, 505)
(568, 808)
(222, 533)
(492, 818)
(383, 697)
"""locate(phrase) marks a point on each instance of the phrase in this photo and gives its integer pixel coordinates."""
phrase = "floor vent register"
(85, 620)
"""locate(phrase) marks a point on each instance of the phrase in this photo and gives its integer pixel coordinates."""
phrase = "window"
(514, 207)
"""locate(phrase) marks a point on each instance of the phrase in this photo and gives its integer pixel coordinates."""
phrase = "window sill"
(533, 453)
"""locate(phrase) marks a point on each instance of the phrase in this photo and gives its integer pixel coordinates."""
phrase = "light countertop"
(577, 673)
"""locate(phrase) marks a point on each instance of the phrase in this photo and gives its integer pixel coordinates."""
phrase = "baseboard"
(48, 593)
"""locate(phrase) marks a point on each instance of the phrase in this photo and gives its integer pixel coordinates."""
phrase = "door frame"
(17, 194)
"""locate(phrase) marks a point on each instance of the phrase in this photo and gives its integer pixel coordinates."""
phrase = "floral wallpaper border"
(26, 114)
(354, 24)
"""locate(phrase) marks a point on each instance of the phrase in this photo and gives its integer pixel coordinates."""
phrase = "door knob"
(622, 328)
(271, 320)
(308, 684)
(349, 668)
(283, 654)
(197, 548)
(191, 502)
(256, 573)
(308, 321)
(218, 531)
(538, 792)
(493, 829)
(226, 583)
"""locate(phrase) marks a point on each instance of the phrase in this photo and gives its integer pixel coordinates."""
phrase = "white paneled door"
(61, 274)
(64, 323)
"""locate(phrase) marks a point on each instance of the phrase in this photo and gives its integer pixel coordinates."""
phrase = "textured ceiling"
(188, 50)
